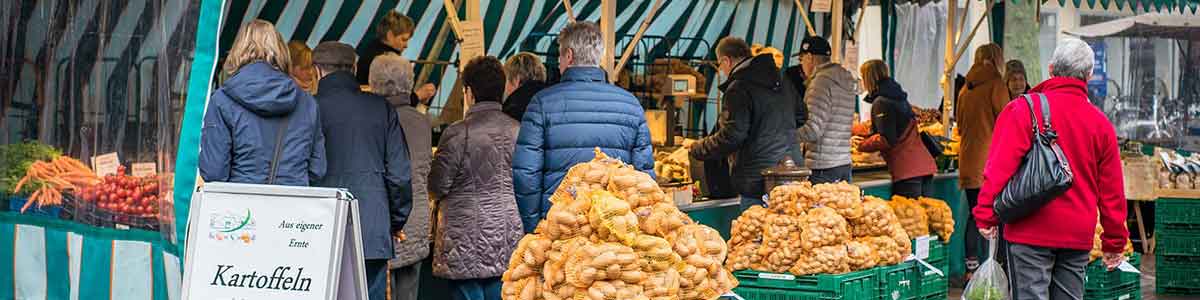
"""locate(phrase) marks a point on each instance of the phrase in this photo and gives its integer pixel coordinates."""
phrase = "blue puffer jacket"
(243, 120)
(562, 125)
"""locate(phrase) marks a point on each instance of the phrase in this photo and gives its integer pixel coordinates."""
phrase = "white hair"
(391, 75)
(1072, 58)
(585, 41)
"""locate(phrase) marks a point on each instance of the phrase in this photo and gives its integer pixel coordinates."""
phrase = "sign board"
(249, 241)
(821, 6)
(106, 164)
(472, 42)
(683, 84)
(144, 169)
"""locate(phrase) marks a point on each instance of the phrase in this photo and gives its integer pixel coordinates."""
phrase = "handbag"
(1043, 175)
(933, 145)
(279, 133)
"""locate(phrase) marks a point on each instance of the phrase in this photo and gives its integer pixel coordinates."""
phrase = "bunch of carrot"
(52, 177)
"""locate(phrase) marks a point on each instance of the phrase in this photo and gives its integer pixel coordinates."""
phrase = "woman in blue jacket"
(260, 127)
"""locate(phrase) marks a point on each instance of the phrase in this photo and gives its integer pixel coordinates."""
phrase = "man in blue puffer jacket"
(564, 122)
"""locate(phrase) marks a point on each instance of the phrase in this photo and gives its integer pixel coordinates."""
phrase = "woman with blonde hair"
(894, 133)
(260, 127)
(979, 104)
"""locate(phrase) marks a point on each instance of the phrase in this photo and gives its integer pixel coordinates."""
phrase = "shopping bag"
(989, 281)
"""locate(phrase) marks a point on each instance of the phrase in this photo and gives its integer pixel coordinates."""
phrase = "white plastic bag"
(989, 281)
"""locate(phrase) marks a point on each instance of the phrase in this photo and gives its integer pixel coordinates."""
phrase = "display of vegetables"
(941, 218)
(860, 255)
(792, 198)
(125, 195)
(984, 291)
(822, 226)
(673, 166)
(876, 219)
(748, 227)
(1098, 244)
(16, 158)
(608, 235)
(912, 216)
(49, 179)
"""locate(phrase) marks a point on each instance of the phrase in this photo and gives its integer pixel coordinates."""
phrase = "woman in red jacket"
(895, 133)
(1048, 250)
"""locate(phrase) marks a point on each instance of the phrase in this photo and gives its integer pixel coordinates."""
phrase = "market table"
(945, 187)
(57, 259)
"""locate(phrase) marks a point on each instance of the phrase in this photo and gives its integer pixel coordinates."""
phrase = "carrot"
(30, 200)
(20, 184)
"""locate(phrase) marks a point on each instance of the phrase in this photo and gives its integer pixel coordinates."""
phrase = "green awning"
(1180, 6)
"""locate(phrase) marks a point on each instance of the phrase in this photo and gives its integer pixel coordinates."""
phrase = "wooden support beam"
(451, 8)
(570, 11)
(804, 15)
(964, 44)
(608, 27)
(839, 14)
(436, 50)
(948, 76)
(637, 37)
(862, 11)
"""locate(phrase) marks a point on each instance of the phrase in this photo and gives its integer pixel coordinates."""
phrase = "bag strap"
(1045, 113)
(1032, 115)
(278, 148)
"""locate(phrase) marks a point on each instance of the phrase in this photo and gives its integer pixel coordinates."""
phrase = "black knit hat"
(815, 45)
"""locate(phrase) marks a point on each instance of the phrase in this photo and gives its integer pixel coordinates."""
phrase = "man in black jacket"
(758, 118)
(367, 154)
(391, 36)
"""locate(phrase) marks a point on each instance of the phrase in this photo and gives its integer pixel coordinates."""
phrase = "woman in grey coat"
(392, 77)
(477, 222)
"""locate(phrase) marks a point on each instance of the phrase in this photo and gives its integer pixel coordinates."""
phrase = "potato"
(876, 219)
(912, 216)
(792, 199)
(748, 227)
(822, 226)
(661, 219)
(941, 218)
(886, 250)
(860, 256)
(842, 197)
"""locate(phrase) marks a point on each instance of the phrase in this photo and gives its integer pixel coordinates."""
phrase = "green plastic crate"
(1177, 262)
(1172, 243)
(1168, 276)
(1176, 211)
(1128, 291)
(1099, 278)
(939, 296)
(1175, 291)
(753, 293)
(937, 250)
(860, 285)
(898, 282)
(930, 282)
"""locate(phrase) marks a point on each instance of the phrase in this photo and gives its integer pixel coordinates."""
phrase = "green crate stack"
(1177, 246)
(929, 282)
(1101, 284)
(898, 282)
(860, 285)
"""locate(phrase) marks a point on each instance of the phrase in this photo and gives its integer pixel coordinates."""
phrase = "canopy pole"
(967, 43)
(437, 48)
(839, 14)
(637, 37)
(804, 15)
(862, 11)
(570, 11)
(947, 76)
(452, 16)
(608, 14)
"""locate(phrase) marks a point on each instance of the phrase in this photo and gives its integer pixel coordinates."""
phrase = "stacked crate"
(1177, 249)
(931, 285)
(860, 285)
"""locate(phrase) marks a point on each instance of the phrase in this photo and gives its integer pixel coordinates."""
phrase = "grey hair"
(391, 75)
(585, 41)
(1072, 58)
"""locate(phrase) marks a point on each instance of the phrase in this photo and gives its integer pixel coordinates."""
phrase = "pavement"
(1147, 269)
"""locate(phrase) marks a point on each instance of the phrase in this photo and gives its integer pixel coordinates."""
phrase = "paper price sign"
(106, 164)
(144, 169)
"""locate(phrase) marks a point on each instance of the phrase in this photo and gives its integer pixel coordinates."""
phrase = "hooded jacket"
(831, 95)
(518, 101)
(979, 104)
(244, 119)
(368, 155)
(563, 124)
(1089, 142)
(758, 118)
(477, 225)
(896, 133)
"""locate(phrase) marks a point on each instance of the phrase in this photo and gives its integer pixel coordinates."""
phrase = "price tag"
(1128, 268)
(922, 248)
(106, 164)
(144, 169)
(822, 6)
(776, 276)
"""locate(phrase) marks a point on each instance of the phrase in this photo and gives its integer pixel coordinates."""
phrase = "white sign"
(922, 249)
(143, 169)
(106, 164)
(273, 242)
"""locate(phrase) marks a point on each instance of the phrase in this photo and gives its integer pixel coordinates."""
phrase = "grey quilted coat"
(418, 132)
(477, 222)
(831, 98)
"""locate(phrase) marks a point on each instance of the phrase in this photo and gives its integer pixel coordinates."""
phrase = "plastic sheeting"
(920, 48)
(95, 77)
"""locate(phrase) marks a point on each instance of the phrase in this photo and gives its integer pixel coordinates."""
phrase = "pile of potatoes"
(941, 218)
(822, 229)
(912, 215)
(611, 234)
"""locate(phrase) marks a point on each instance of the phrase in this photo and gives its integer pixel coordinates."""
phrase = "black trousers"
(831, 175)
(914, 187)
(973, 239)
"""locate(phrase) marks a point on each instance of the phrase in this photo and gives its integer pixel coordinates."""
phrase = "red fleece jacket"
(1088, 140)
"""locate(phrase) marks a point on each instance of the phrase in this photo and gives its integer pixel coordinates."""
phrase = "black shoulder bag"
(1044, 173)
